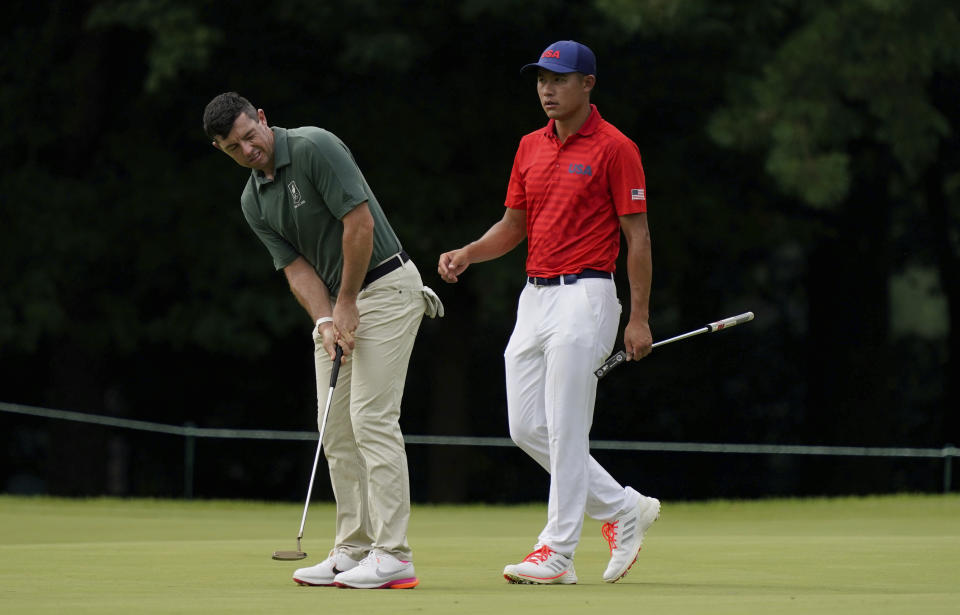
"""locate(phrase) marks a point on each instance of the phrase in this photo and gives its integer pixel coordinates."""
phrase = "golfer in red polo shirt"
(575, 185)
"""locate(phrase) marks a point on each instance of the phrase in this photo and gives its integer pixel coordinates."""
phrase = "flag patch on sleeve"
(638, 194)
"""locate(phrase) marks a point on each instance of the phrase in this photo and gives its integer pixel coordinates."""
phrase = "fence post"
(948, 452)
(189, 457)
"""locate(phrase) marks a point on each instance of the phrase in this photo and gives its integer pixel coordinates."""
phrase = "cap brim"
(554, 67)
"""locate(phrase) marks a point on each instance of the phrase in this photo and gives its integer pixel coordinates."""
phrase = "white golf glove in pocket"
(434, 305)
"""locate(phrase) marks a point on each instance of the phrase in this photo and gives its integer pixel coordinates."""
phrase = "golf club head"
(289, 555)
(615, 360)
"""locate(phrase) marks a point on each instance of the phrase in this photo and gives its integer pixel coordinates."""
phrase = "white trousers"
(562, 334)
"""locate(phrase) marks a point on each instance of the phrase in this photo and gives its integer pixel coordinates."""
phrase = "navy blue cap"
(566, 57)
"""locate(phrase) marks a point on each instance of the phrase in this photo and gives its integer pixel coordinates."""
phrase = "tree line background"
(802, 162)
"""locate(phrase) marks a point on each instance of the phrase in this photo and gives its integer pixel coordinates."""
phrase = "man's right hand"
(346, 319)
(452, 264)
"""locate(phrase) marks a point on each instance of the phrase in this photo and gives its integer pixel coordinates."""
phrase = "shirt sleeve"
(516, 191)
(280, 249)
(628, 186)
(336, 175)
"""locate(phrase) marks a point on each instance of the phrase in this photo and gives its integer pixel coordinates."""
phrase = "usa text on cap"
(566, 57)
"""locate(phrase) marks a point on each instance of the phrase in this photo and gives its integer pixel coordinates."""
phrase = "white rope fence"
(191, 432)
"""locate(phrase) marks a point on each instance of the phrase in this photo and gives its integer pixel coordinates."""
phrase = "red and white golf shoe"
(543, 566)
(625, 536)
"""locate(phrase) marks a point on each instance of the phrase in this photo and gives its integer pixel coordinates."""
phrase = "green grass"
(898, 554)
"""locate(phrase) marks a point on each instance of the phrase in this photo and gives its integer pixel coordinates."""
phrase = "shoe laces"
(609, 531)
(334, 554)
(369, 560)
(540, 555)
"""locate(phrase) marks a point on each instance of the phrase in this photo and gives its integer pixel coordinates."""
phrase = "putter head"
(610, 363)
(287, 556)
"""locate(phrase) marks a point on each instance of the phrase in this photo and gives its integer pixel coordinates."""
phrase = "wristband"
(324, 319)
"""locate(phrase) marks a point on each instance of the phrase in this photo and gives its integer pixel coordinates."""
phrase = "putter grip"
(730, 322)
(336, 367)
(619, 357)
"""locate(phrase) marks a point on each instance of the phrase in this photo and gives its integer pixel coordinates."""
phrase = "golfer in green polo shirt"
(310, 205)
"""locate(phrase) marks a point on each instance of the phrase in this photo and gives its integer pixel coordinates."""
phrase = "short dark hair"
(222, 111)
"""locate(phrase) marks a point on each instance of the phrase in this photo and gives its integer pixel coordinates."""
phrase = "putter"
(621, 355)
(299, 554)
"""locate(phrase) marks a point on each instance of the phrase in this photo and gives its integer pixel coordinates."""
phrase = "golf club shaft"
(621, 356)
(334, 372)
(679, 337)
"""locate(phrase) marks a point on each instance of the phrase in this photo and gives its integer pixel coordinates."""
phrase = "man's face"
(250, 142)
(563, 94)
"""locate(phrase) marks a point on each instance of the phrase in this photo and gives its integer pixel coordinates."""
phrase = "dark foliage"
(785, 177)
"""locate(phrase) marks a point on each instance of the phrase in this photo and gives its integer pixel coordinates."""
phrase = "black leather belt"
(393, 263)
(570, 278)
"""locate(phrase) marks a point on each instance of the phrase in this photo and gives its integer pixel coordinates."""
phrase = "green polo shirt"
(316, 183)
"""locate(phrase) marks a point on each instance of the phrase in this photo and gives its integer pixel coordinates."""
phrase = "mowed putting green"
(898, 554)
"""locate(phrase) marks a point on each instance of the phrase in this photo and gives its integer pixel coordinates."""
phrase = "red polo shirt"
(573, 193)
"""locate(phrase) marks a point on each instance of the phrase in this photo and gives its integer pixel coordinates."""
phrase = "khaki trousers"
(363, 443)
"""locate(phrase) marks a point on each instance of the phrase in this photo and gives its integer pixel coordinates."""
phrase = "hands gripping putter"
(621, 355)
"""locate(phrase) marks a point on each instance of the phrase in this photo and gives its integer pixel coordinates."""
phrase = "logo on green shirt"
(295, 193)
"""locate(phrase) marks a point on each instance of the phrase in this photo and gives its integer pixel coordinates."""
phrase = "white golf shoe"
(543, 566)
(625, 536)
(324, 572)
(379, 570)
